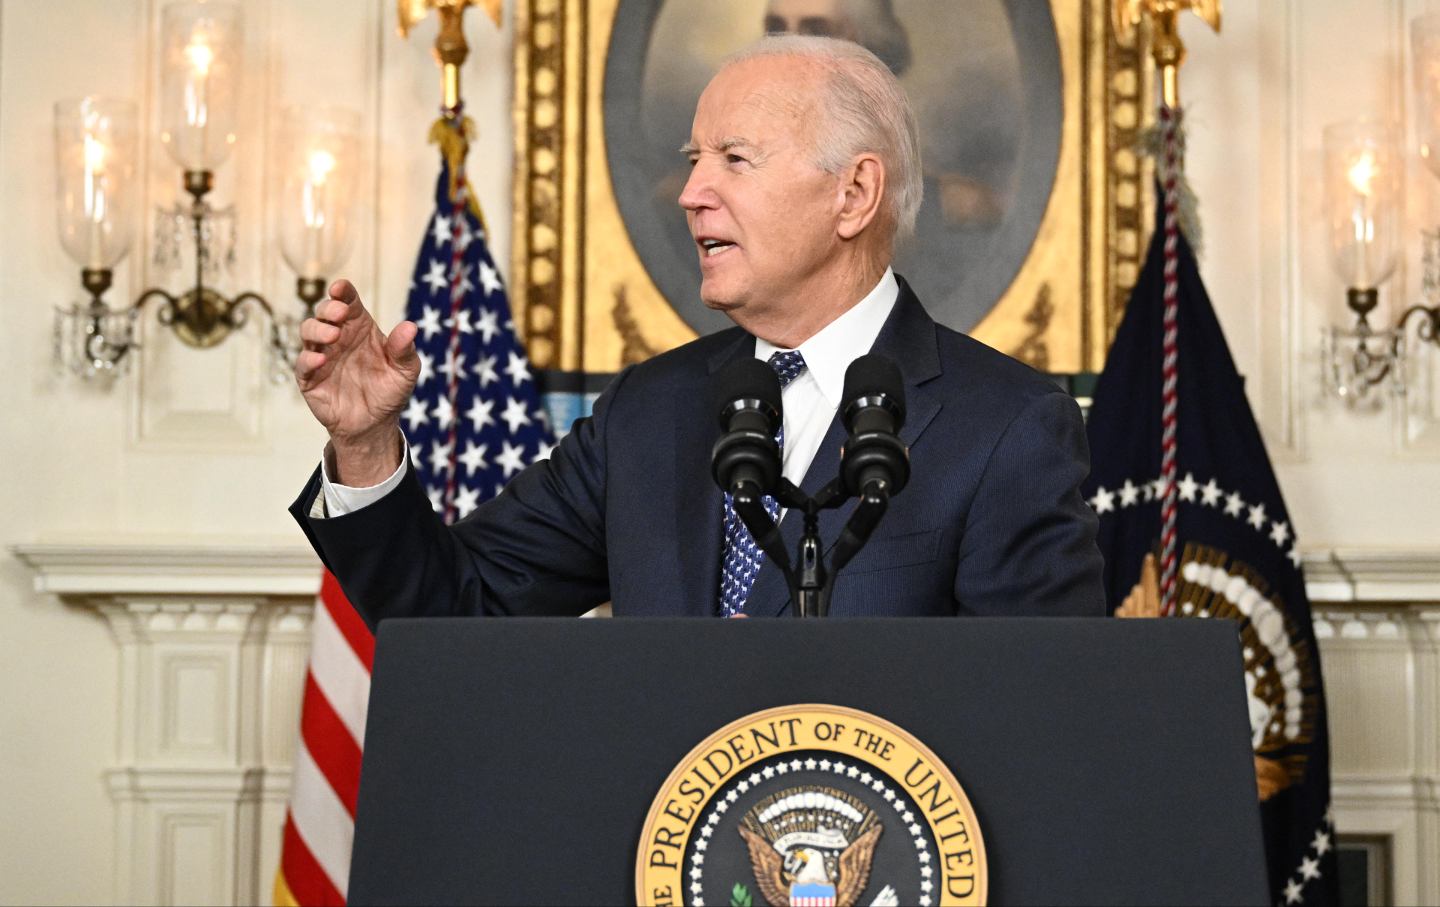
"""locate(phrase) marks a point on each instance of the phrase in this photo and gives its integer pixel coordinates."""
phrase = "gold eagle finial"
(450, 47)
(1168, 49)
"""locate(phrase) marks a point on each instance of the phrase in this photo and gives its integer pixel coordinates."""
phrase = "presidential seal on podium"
(811, 805)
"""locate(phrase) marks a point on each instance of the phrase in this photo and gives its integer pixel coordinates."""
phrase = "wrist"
(362, 461)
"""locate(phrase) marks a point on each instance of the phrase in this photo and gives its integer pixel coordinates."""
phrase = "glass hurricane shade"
(317, 168)
(200, 46)
(1362, 180)
(96, 144)
(1425, 49)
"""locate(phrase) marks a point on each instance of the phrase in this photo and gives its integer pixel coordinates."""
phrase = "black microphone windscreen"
(874, 375)
(746, 378)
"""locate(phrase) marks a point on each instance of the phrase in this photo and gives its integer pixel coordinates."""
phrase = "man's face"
(808, 17)
(763, 216)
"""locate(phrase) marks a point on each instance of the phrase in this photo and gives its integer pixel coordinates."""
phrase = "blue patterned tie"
(742, 558)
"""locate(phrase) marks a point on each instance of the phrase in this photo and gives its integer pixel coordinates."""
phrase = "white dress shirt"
(810, 400)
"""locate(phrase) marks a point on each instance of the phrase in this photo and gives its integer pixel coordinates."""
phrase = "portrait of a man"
(983, 76)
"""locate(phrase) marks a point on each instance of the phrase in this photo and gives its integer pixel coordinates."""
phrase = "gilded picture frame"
(584, 276)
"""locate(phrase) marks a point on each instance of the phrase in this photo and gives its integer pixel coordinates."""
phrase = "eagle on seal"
(779, 876)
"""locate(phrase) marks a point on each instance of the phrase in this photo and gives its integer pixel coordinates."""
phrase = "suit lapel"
(907, 338)
(699, 516)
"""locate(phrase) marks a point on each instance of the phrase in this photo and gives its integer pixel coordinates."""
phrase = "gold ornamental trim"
(828, 743)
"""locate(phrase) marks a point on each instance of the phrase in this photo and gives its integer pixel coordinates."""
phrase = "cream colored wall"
(1258, 96)
(193, 448)
(198, 449)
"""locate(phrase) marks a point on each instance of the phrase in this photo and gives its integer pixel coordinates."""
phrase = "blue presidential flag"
(1237, 557)
(476, 418)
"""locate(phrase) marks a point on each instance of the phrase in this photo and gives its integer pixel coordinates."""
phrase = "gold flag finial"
(450, 47)
(1168, 49)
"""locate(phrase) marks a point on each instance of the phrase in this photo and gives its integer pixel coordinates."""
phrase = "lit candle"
(1362, 176)
(95, 200)
(320, 165)
(200, 56)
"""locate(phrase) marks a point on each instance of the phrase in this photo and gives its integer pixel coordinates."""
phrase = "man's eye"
(694, 159)
(734, 159)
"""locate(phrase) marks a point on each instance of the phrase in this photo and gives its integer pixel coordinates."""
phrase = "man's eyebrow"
(725, 145)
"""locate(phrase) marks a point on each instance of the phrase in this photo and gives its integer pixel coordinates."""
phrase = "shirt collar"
(829, 353)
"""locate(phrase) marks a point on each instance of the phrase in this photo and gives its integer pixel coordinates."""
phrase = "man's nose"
(699, 191)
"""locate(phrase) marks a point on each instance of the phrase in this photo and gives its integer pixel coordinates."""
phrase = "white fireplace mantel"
(213, 641)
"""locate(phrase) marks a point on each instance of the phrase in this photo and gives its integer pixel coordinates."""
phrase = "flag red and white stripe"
(320, 825)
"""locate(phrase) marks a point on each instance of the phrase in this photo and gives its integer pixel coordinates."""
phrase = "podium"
(516, 761)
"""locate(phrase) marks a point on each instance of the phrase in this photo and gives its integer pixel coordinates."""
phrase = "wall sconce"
(96, 143)
(1363, 202)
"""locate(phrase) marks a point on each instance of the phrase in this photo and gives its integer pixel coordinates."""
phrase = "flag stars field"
(488, 325)
(416, 414)
(515, 414)
(440, 230)
(479, 413)
(473, 458)
(485, 371)
(437, 281)
(517, 368)
(489, 279)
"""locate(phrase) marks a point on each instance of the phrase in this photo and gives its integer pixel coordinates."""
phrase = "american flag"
(476, 418)
(474, 421)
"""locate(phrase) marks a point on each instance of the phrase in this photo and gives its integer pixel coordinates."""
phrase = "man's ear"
(862, 189)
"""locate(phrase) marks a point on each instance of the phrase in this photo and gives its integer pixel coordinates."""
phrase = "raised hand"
(356, 380)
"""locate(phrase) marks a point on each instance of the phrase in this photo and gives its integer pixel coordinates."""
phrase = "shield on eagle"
(811, 846)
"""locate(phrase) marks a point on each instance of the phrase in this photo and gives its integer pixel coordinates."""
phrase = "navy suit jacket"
(625, 510)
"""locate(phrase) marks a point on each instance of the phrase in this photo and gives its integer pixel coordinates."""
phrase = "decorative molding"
(545, 108)
(201, 783)
(1033, 350)
(1372, 575)
(1421, 792)
(80, 570)
(1284, 386)
(633, 349)
(1379, 625)
(1129, 82)
(213, 642)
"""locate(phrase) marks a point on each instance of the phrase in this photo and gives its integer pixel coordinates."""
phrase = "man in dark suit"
(804, 169)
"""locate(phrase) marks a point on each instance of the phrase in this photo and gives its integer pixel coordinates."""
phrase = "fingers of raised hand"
(400, 345)
(308, 363)
(335, 311)
(344, 291)
(315, 332)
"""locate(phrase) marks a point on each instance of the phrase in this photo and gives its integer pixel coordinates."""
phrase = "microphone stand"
(811, 580)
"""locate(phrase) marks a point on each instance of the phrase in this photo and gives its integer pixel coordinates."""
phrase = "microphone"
(747, 397)
(874, 461)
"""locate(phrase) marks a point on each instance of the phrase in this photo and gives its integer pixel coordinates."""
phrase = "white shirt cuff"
(338, 500)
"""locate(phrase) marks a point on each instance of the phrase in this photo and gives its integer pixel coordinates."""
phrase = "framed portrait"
(1035, 204)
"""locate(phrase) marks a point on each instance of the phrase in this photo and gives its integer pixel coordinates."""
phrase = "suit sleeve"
(1028, 546)
(537, 549)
